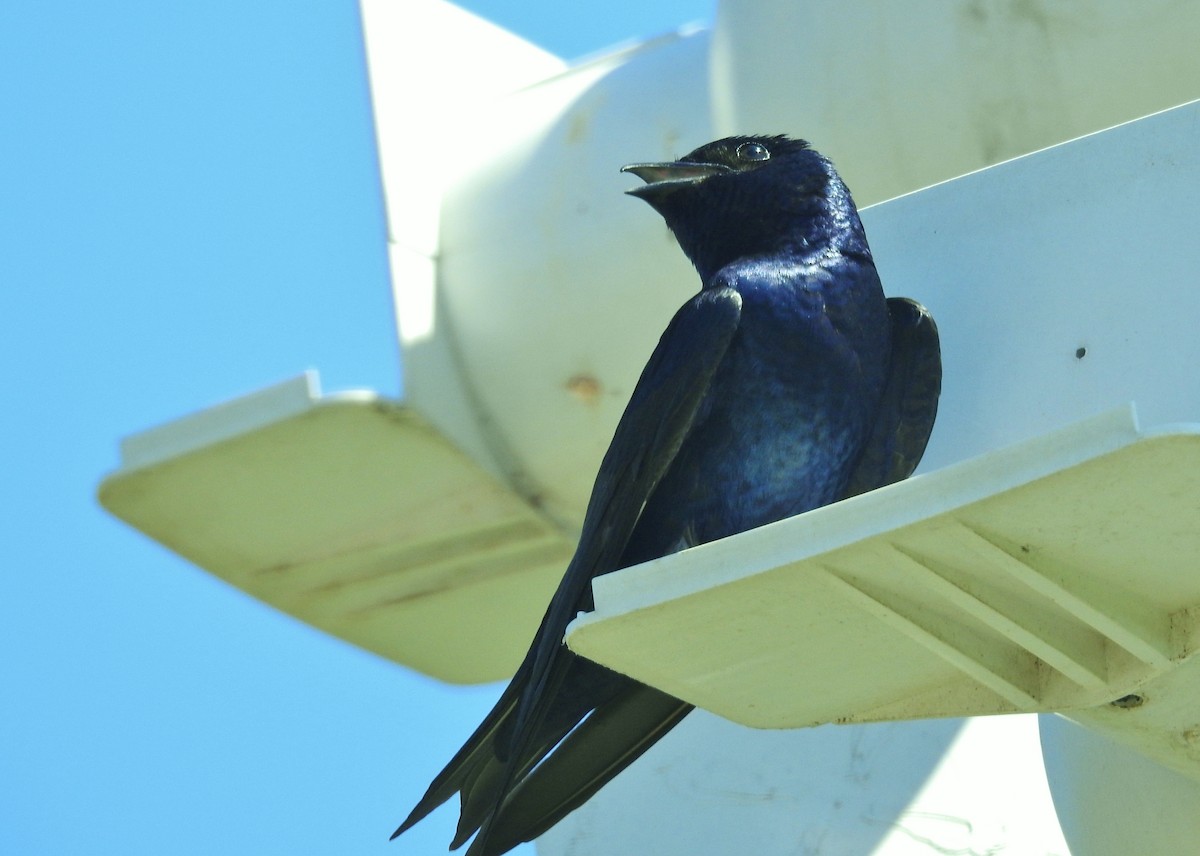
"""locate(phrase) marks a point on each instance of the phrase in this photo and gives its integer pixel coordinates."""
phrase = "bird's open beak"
(664, 178)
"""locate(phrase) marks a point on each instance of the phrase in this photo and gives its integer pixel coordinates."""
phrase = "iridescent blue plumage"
(787, 383)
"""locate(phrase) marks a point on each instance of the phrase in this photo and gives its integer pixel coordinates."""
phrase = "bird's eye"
(753, 152)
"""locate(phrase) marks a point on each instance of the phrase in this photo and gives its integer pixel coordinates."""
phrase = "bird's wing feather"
(467, 763)
(909, 403)
(587, 685)
(653, 427)
(607, 742)
(655, 423)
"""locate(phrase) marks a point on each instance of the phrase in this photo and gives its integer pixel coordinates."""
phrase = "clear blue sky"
(190, 210)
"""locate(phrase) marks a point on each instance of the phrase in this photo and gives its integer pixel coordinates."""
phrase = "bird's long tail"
(601, 722)
(611, 738)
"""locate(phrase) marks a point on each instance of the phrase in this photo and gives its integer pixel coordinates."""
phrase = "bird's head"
(742, 196)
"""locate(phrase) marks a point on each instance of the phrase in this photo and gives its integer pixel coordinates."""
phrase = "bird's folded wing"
(909, 404)
(655, 423)
(522, 728)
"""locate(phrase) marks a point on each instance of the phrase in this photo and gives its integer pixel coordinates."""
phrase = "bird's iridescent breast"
(786, 415)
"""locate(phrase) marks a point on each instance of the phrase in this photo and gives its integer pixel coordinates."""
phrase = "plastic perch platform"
(1056, 575)
(348, 511)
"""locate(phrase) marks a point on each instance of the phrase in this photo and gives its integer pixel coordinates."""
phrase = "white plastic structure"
(1047, 317)
(1019, 581)
(349, 512)
(523, 330)
(511, 342)
(529, 293)
(1056, 575)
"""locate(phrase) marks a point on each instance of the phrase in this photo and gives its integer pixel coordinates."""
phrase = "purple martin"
(787, 383)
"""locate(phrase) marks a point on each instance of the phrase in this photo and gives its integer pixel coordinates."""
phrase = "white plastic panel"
(1113, 800)
(1062, 285)
(926, 788)
(1058, 574)
(552, 288)
(349, 512)
(904, 95)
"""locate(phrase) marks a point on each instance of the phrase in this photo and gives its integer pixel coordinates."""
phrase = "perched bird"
(787, 383)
